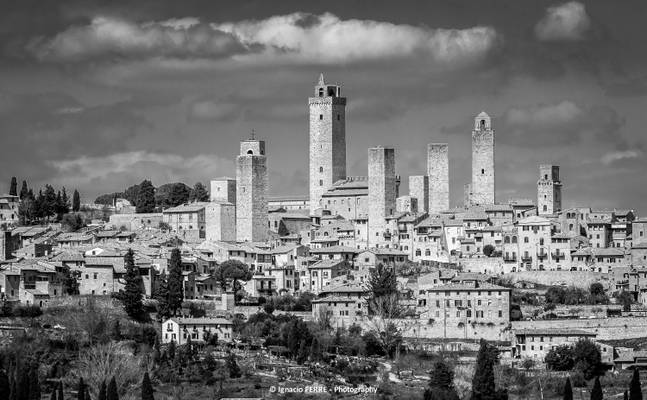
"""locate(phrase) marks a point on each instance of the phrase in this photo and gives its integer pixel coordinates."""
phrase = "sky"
(99, 95)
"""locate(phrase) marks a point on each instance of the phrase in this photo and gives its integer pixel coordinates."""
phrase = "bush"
(31, 311)
(560, 358)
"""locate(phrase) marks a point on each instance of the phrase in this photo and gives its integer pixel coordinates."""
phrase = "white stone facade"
(220, 221)
(223, 189)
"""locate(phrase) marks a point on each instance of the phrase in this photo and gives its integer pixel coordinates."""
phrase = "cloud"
(293, 38)
(107, 37)
(612, 157)
(137, 165)
(210, 110)
(565, 22)
(326, 39)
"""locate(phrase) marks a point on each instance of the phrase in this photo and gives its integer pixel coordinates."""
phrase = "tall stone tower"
(438, 172)
(549, 190)
(251, 192)
(327, 139)
(419, 190)
(483, 186)
(382, 192)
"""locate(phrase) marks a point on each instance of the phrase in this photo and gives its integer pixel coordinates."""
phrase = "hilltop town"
(353, 285)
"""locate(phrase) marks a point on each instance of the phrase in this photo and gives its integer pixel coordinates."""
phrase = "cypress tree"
(145, 202)
(635, 391)
(34, 385)
(315, 350)
(441, 383)
(147, 388)
(24, 190)
(81, 390)
(132, 293)
(13, 187)
(596, 392)
(232, 366)
(102, 391)
(162, 297)
(568, 389)
(76, 201)
(112, 393)
(61, 395)
(5, 386)
(22, 392)
(302, 355)
(175, 281)
(483, 386)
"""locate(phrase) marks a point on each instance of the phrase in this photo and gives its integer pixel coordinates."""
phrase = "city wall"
(605, 328)
(581, 279)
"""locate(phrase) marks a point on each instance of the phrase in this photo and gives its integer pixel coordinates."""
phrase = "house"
(345, 303)
(9, 210)
(321, 273)
(179, 330)
(536, 343)
(372, 257)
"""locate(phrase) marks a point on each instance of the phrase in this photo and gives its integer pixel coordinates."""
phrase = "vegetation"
(483, 383)
(49, 205)
(145, 200)
(635, 391)
(131, 295)
(558, 295)
(441, 383)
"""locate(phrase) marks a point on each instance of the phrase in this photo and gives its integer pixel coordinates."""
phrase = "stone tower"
(382, 192)
(549, 190)
(251, 192)
(327, 139)
(223, 189)
(438, 172)
(483, 186)
(419, 190)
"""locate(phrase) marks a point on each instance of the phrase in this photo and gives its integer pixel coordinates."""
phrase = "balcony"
(542, 254)
(526, 258)
(558, 256)
(509, 259)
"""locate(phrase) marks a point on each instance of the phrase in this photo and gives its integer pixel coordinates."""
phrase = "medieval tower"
(483, 187)
(549, 190)
(419, 190)
(251, 192)
(327, 139)
(382, 192)
(438, 172)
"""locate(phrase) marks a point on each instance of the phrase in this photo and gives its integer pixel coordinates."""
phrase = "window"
(320, 117)
(482, 171)
(338, 117)
(320, 169)
(320, 184)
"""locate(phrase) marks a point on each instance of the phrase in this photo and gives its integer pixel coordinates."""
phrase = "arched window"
(506, 240)
(514, 239)
(525, 240)
(250, 152)
(320, 169)
(482, 124)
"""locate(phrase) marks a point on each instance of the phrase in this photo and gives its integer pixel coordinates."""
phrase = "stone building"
(382, 192)
(251, 192)
(535, 235)
(220, 221)
(406, 204)
(536, 343)
(223, 189)
(327, 139)
(438, 173)
(347, 198)
(196, 330)
(187, 220)
(483, 182)
(419, 190)
(9, 210)
(549, 190)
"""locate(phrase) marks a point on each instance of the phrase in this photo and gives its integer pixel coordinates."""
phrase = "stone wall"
(582, 279)
(438, 172)
(605, 328)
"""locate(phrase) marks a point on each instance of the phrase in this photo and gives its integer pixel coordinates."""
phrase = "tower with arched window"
(251, 192)
(549, 190)
(327, 139)
(483, 182)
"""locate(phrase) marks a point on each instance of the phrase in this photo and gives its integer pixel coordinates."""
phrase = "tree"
(598, 296)
(626, 299)
(172, 195)
(560, 358)
(302, 356)
(22, 392)
(5, 386)
(81, 390)
(13, 187)
(145, 202)
(483, 385)
(112, 393)
(233, 270)
(635, 391)
(76, 201)
(147, 388)
(162, 297)
(61, 394)
(103, 391)
(131, 295)
(72, 222)
(596, 392)
(382, 281)
(488, 249)
(34, 384)
(441, 383)
(24, 190)
(315, 350)
(568, 389)
(587, 358)
(175, 282)
(199, 193)
(232, 366)
(555, 295)
(116, 331)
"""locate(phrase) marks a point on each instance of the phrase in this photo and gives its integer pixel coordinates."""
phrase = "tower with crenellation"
(327, 140)
(382, 193)
(483, 179)
(251, 192)
(549, 190)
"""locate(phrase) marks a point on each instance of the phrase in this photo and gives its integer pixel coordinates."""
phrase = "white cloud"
(326, 39)
(137, 165)
(567, 21)
(611, 157)
(292, 38)
(111, 37)
(551, 114)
